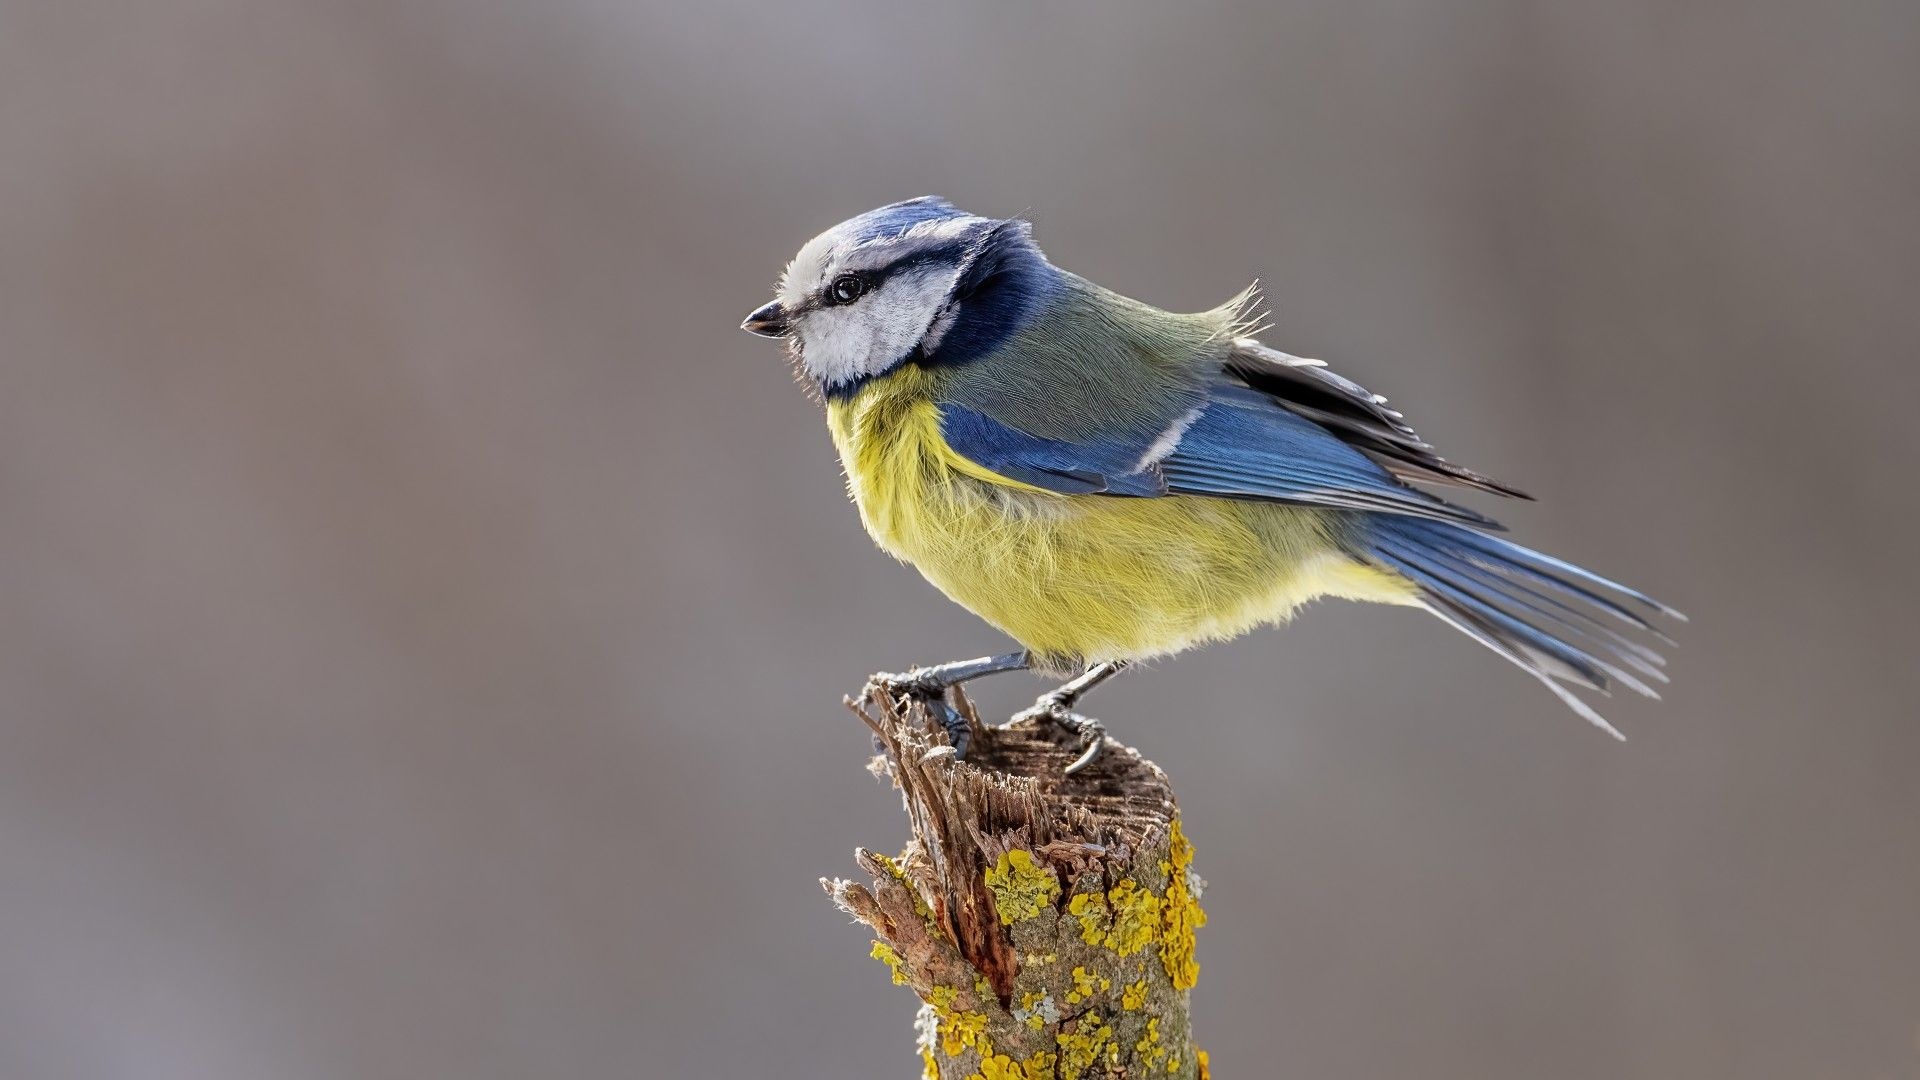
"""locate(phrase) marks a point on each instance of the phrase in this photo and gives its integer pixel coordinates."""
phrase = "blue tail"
(1537, 611)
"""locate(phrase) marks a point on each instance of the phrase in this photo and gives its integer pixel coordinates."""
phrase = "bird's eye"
(847, 288)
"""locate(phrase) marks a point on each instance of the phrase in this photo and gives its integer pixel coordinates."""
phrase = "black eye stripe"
(880, 275)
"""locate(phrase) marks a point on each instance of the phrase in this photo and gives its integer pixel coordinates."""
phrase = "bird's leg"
(934, 681)
(1057, 705)
(930, 685)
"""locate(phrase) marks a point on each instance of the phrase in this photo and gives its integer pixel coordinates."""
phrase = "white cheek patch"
(832, 345)
(872, 334)
(904, 307)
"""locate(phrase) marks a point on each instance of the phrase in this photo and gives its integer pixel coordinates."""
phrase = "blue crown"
(896, 218)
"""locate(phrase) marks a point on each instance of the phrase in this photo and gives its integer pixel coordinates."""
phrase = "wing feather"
(1240, 445)
(1357, 416)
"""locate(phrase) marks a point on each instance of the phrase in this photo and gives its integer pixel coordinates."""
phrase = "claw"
(1095, 745)
(958, 733)
(1092, 733)
(1093, 736)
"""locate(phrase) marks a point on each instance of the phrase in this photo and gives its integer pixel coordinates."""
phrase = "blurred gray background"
(423, 614)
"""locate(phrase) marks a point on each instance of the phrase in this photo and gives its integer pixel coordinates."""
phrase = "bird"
(1107, 482)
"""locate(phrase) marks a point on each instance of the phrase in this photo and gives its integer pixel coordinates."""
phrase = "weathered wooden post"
(1045, 921)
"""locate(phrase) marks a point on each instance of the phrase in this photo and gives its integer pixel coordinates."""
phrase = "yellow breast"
(1079, 578)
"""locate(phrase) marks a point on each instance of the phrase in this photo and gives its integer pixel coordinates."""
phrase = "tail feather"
(1545, 608)
(1532, 609)
(1581, 708)
(1563, 661)
(1543, 566)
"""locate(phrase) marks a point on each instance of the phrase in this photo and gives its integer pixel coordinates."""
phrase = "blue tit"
(1108, 482)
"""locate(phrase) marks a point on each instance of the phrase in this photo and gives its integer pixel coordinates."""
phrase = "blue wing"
(1102, 467)
(1239, 444)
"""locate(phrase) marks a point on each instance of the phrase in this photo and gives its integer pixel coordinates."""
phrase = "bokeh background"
(424, 615)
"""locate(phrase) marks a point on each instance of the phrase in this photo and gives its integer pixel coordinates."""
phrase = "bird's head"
(912, 281)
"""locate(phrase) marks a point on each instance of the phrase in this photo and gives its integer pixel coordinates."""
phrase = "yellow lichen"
(999, 1067)
(1200, 1059)
(957, 1029)
(1037, 1066)
(1179, 848)
(1125, 920)
(929, 1067)
(884, 953)
(1086, 984)
(1081, 1047)
(963, 1031)
(1095, 919)
(1148, 1049)
(1021, 888)
(1134, 996)
(1180, 914)
(1136, 918)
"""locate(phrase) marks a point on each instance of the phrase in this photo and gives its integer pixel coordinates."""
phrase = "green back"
(1095, 365)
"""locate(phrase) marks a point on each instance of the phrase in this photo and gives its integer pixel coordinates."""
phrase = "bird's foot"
(927, 687)
(920, 683)
(1057, 708)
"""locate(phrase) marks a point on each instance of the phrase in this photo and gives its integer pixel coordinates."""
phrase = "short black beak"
(768, 320)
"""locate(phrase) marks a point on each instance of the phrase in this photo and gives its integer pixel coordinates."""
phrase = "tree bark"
(1045, 921)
